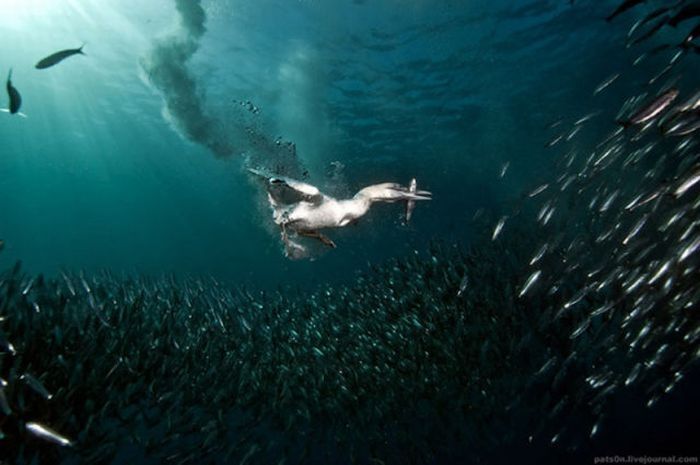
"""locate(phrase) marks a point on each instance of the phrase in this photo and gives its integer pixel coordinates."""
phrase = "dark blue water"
(96, 177)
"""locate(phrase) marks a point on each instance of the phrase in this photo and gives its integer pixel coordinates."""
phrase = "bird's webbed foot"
(319, 236)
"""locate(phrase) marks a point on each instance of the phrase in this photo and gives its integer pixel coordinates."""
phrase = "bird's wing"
(287, 191)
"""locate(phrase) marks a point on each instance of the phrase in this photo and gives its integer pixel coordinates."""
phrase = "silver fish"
(603, 85)
(504, 168)
(693, 103)
(539, 254)
(682, 125)
(652, 110)
(5, 345)
(548, 215)
(36, 386)
(530, 282)
(573, 132)
(608, 202)
(635, 229)
(690, 249)
(463, 285)
(660, 272)
(639, 59)
(690, 181)
(554, 141)
(538, 190)
(499, 227)
(48, 434)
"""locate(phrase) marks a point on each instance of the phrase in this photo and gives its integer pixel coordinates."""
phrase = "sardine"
(554, 141)
(499, 227)
(650, 32)
(693, 103)
(635, 229)
(36, 386)
(689, 182)
(690, 249)
(654, 14)
(639, 59)
(47, 434)
(538, 190)
(603, 85)
(463, 285)
(608, 202)
(5, 345)
(649, 112)
(504, 169)
(660, 272)
(13, 93)
(581, 328)
(682, 124)
(538, 255)
(58, 57)
(589, 116)
(547, 365)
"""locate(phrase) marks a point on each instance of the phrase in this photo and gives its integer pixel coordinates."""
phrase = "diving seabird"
(303, 209)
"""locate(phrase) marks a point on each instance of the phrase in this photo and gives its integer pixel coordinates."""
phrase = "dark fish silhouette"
(626, 5)
(58, 57)
(686, 13)
(658, 12)
(15, 98)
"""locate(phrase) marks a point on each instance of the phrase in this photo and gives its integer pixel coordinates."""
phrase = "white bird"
(303, 209)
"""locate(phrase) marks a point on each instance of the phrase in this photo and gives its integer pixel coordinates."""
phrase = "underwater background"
(542, 308)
